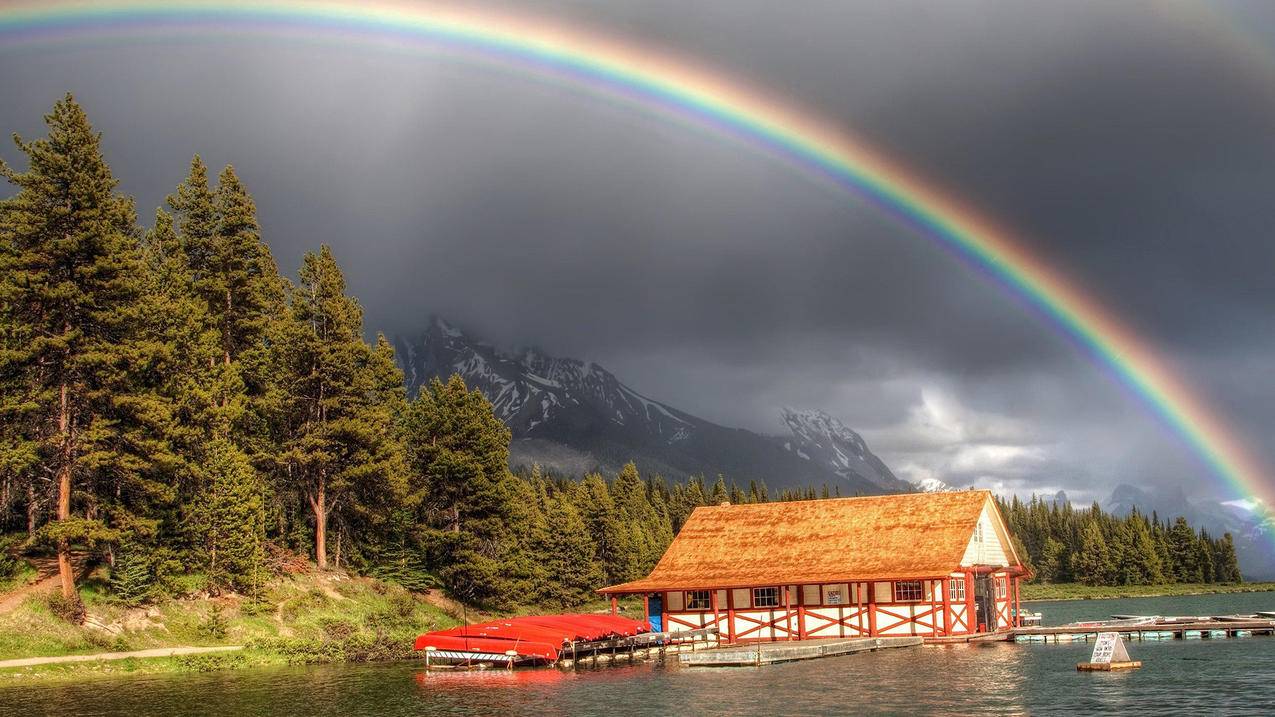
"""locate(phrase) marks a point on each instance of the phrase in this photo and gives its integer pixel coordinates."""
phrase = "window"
(978, 533)
(956, 589)
(905, 590)
(1000, 587)
(697, 600)
(765, 597)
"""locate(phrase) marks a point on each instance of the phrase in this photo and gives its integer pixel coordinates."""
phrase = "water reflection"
(1215, 677)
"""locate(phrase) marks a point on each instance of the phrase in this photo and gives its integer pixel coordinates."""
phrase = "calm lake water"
(1231, 676)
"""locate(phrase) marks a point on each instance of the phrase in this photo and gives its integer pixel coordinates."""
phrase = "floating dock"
(767, 653)
(1204, 628)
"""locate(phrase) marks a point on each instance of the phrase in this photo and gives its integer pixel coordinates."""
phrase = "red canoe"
(533, 637)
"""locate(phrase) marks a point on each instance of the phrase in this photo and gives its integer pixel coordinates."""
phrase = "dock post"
(428, 653)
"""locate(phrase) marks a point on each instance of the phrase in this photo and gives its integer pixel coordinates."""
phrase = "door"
(984, 603)
(655, 610)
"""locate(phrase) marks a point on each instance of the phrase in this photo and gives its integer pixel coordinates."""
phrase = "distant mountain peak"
(575, 416)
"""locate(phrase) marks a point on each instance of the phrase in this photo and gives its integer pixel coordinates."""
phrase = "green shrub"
(70, 608)
(215, 626)
(9, 564)
(210, 662)
(335, 628)
(254, 607)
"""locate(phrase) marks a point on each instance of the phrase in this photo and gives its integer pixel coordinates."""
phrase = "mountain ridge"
(575, 416)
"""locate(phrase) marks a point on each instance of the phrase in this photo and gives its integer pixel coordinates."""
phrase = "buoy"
(1109, 654)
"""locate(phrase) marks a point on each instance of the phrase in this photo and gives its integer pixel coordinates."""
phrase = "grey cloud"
(1130, 151)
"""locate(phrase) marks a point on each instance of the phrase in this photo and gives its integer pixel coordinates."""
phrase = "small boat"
(526, 640)
(1133, 617)
(1179, 620)
(1266, 613)
(1137, 621)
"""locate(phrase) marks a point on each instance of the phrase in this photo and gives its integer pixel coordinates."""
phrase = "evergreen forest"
(171, 404)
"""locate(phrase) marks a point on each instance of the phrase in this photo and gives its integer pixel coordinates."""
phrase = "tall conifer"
(69, 270)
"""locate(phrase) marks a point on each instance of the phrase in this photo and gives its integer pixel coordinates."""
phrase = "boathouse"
(935, 565)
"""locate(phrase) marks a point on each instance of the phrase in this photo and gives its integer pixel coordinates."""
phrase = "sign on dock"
(1109, 653)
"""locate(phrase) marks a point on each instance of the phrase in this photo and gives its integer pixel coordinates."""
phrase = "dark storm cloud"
(1121, 141)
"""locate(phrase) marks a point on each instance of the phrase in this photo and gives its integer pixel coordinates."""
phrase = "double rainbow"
(655, 79)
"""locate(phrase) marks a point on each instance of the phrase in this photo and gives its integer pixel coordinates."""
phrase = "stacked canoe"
(531, 639)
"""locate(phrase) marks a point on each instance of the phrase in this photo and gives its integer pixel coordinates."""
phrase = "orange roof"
(912, 535)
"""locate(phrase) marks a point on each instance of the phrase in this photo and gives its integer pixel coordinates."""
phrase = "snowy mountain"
(1247, 522)
(575, 416)
(820, 438)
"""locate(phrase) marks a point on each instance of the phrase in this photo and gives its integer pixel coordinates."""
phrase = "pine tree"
(572, 572)
(132, 576)
(1049, 566)
(1092, 565)
(458, 454)
(1183, 551)
(69, 272)
(231, 519)
(1228, 567)
(342, 450)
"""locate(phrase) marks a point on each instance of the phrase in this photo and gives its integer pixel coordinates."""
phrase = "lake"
(1230, 676)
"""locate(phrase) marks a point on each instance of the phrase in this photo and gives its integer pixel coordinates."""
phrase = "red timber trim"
(915, 621)
(934, 606)
(1018, 602)
(948, 627)
(872, 610)
(717, 615)
(1002, 606)
(730, 615)
(971, 615)
(776, 623)
(664, 611)
(801, 610)
(787, 610)
(865, 610)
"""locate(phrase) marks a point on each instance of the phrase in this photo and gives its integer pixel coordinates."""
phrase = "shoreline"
(1067, 592)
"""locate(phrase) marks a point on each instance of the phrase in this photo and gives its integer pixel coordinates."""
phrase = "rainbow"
(657, 80)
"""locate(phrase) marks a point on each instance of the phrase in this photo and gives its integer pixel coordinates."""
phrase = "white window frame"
(956, 589)
(773, 592)
(1002, 588)
(698, 600)
(899, 584)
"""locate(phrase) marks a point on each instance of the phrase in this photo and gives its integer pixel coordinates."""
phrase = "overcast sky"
(1131, 144)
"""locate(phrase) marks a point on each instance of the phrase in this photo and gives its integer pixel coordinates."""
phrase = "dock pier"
(769, 653)
(1199, 629)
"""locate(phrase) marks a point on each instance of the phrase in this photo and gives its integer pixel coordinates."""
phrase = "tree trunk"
(33, 509)
(64, 495)
(320, 524)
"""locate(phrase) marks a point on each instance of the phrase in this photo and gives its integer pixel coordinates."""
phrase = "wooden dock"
(1201, 629)
(645, 646)
(767, 653)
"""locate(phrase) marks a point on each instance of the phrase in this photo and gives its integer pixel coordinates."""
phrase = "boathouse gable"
(990, 543)
(936, 565)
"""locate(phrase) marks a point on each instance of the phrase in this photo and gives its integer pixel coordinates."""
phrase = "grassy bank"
(1076, 591)
(300, 619)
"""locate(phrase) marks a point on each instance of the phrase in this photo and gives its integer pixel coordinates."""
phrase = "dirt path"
(157, 652)
(46, 580)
